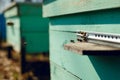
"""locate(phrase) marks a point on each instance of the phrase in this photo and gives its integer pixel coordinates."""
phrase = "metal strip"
(99, 38)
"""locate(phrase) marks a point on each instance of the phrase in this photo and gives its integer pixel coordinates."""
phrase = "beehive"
(25, 25)
(27, 32)
(66, 18)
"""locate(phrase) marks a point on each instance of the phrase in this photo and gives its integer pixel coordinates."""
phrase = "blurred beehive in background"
(27, 32)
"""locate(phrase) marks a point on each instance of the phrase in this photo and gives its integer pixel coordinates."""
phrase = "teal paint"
(95, 17)
(63, 7)
(107, 67)
(59, 73)
(89, 16)
(76, 64)
(39, 43)
(113, 28)
(85, 67)
(28, 24)
(35, 31)
(25, 9)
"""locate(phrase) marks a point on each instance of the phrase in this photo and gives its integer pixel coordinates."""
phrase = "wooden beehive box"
(25, 25)
(69, 16)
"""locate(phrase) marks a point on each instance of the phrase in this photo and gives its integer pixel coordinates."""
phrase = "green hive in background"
(25, 25)
(67, 17)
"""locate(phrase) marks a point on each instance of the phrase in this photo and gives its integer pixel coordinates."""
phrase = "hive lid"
(64, 7)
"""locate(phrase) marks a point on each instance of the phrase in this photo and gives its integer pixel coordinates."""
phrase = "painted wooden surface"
(97, 17)
(103, 28)
(13, 33)
(34, 24)
(62, 30)
(23, 9)
(12, 12)
(86, 48)
(35, 31)
(2, 27)
(32, 27)
(39, 43)
(86, 67)
(62, 7)
(30, 9)
(59, 73)
(72, 62)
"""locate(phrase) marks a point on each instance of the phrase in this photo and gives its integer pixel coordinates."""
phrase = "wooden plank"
(12, 12)
(62, 7)
(59, 73)
(103, 28)
(81, 47)
(10, 6)
(21, 9)
(40, 24)
(13, 34)
(30, 9)
(36, 42)
(76, 64)
(84, 66)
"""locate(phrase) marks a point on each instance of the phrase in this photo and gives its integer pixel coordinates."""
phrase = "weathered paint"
(86, 67)
(62, 7)
(94, 16)
(76, 64)
(28, 24)
(59, 73)
(12, 12)
(13, 33)
(103, 28)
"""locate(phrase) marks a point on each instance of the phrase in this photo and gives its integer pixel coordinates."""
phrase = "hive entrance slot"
(94, 43)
